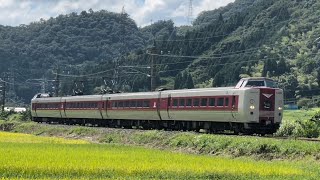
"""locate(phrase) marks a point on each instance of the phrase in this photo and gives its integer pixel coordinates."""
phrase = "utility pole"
(116, 81)
(57, 83)
(152, 52)
(3, 90)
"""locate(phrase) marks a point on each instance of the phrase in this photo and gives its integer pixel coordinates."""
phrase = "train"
(253, 106)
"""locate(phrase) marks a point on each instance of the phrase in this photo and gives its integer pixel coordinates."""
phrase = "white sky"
(15, 12)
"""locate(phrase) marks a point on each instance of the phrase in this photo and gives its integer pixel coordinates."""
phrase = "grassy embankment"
(31, 157)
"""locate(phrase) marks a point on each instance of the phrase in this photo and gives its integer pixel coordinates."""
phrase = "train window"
(212, 102)
(114, 104)
(226, 102)
(120, 104)
(204, 102)
(196, 102)
(175, 103)
(139, 104)
(189, 103)
(127, 104)
(133, 104)
(182, 102)
(86, 105)
(220, 102)
(146, 104)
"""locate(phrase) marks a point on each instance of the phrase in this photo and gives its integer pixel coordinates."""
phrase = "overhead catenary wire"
(85, 75)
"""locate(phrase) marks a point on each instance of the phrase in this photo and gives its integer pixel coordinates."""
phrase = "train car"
(45, 108)
(254, 105)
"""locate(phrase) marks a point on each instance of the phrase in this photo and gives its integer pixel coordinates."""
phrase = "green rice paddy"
(31, 157)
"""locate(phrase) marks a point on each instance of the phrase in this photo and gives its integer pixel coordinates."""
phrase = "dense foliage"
(274, 38)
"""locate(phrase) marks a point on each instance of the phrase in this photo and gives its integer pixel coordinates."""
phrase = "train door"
(107, 105)
(169, 106)
(234, 107)
(35, 106)
(165, 101)
(60, 108)
(159, 106)
(63, 109)
(101, 107)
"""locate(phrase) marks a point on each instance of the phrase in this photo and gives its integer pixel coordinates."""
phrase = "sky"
(16, 12)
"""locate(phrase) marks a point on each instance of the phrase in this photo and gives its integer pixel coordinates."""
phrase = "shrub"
(26, 116)
(309, 128)
(305, 103)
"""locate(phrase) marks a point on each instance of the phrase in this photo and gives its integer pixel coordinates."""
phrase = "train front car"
(262, 105)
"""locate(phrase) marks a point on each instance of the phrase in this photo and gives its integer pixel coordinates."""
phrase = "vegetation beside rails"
(300, 123)
(31, 157)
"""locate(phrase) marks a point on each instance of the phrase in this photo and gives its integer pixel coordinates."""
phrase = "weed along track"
(78, 159)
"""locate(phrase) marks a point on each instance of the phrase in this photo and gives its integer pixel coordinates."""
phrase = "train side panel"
(132, 106)
(82, 107)
(206, 105)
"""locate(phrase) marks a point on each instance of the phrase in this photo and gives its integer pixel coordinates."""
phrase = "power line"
(220, 35)
(85, 75)
(226, 64)
(201, 57)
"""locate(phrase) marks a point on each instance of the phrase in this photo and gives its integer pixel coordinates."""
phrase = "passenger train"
(254, 105)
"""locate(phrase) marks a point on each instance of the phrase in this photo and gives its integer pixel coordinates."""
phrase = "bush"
(5, 114)
(305, 103)
(26, 116)
(309, 128)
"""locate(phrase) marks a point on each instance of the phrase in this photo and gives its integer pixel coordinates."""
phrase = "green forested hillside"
(274, 38)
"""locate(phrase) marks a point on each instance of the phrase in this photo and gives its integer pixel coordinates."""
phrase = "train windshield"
(261, 83)
(271, 84)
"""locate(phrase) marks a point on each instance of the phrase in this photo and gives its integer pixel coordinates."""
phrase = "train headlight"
(252, 107)
(251, 101)
(279, 108)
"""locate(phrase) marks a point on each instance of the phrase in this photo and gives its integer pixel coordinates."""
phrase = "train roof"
(240, 86)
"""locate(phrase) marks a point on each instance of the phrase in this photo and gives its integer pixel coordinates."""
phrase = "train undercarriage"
(196, 126)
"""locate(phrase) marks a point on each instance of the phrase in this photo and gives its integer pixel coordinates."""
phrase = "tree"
(189, 82)
(281, 67)
(178, 81)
